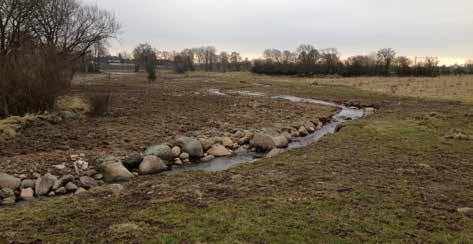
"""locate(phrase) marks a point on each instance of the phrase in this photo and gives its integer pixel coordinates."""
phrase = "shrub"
(31, 81)
(101, 103)
(151, 70)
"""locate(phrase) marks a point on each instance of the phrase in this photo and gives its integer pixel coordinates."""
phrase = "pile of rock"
(13, 189)
(156, 159)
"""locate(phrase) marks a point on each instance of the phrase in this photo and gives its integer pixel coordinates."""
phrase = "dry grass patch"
(72, 104)
(458, 88)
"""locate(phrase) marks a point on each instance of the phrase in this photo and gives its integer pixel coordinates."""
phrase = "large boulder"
(7, 196)
(152, 165)
(281, 141)
(176, 152)
(114, 171)
(62, 181)
(88, 182)
(132, 161)
(218, 150)
(303, 131)
(44, 184)
(227, 142)
(162, 151)
(310, 126)
(207, 143)
(8, 181)
(191, 146)
(27, 194)
(27, 183)
(263, 142)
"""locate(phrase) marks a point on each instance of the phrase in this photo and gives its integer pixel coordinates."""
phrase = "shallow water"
(244, 156)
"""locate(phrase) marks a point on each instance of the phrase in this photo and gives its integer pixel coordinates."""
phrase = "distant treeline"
(305, 61)
(308, 61)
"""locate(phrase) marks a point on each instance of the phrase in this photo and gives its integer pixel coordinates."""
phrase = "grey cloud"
(413, 27)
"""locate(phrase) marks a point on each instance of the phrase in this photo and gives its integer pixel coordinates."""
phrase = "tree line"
(41, 44)
(190, 59)
(307, 61)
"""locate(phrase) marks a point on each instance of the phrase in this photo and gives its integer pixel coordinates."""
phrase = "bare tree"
(40, 43)
(404, 65)
(15, 24)
(143, 54)
(273, 55)
(224, 60)
(330, 58)
(308, 56)
(386, 57)
(288, 57)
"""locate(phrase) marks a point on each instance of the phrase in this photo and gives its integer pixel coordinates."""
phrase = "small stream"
(242, 156)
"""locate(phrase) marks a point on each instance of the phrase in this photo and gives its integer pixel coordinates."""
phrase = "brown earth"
(144, 114)
(397, 176)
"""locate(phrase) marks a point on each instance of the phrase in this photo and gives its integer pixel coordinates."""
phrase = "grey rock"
(98, 176)
(52, 194)
(133, 161)
(152, 165)
(207, 158)
(176, 151)
(177, 161)
(207, 142)
(309, 126)
(287, 135)
(162, 151)
(218, 150)
(44, 184)
(62, 181)
(191, 146)
(88, 182)
(113, 171)
(8, 181)
(91, 172)
(80, 191)
(61, 191)
(71, 187)
(27, 194)
(6, 193)
(303, 131)
(184, 156)
(227, 142)
(27, 184)
(281, 141)
(263, 142)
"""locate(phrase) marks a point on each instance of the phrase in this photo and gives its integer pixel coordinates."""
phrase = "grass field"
(396, 176)
(457, 88)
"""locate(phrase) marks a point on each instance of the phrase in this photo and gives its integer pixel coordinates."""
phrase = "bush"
(151, 70)
(101, 103)
(31, 81)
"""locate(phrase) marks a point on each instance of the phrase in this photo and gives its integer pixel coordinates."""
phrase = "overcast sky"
(412, 27)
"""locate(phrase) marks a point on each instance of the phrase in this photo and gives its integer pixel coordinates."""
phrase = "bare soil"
(145, 114)
(396, 176)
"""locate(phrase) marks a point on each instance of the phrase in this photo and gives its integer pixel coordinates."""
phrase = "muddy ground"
(396, 176)
(144, 114)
